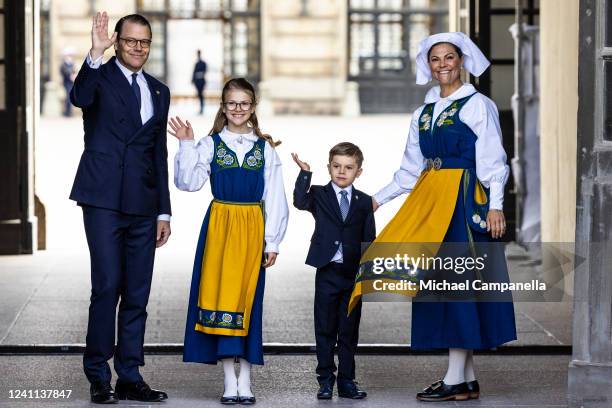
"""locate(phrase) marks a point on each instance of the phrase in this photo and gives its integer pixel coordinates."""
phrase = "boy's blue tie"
(344, 204)
(136, 89)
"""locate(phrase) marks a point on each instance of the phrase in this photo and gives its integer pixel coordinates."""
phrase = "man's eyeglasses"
(233, 105)
(131, 42)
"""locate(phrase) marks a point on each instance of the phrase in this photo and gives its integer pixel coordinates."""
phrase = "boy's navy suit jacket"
(124, 166)
(330, 230)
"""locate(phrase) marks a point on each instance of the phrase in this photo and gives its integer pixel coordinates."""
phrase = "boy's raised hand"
(180, 130)
(303, 165)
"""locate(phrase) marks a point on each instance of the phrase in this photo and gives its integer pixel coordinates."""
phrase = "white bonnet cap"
(474, 60)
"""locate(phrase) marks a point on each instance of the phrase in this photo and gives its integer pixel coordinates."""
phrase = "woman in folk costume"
(454, 167)
(240, 235)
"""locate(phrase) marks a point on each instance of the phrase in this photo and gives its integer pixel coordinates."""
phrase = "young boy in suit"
(343, 220)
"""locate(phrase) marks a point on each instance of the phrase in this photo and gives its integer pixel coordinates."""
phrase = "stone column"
(559, 105)
(590, 371)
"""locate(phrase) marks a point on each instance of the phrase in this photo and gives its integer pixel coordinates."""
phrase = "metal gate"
(241, 32)
(383, 35)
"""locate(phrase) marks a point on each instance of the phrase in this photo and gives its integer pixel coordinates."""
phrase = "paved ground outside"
(289, 381)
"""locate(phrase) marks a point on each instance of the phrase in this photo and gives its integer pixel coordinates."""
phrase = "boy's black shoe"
(139, 391)
(102, 393)
(349, 389)
(325, 392)
(474, 389)
(439, 391)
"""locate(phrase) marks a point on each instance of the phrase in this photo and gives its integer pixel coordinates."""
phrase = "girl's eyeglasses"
(233, 105)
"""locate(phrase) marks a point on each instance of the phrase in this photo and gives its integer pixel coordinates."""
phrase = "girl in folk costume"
(240, 235)
(454, 167)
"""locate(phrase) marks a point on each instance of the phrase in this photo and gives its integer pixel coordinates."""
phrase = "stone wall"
(304, 58)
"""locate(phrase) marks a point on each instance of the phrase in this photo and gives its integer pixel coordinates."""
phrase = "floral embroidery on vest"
(224, 158)
(449, 112)
(426, 118)
(254, 160)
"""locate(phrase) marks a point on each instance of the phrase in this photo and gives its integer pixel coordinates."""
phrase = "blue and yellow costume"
(446, 205)
(224, 317)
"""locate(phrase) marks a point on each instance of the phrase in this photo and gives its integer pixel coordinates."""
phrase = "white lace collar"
(231, 136)
(433, 95)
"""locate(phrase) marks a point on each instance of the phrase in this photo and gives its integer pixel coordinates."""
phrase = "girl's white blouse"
(481, 115)
(192, 169)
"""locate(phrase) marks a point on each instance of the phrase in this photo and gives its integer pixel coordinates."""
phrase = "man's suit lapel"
(333, 200)
(155, 95)
(124, 90)
(156, 102)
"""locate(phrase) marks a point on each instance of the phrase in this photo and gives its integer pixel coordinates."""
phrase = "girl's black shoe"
(233, 400)
(246, 400)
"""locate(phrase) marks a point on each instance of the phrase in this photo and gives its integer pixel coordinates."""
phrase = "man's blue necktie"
(136, 89)
(344, 204)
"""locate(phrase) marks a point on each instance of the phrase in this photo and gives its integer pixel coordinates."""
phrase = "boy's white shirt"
(338, 255)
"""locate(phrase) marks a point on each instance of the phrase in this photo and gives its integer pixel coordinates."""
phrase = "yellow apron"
(417, 229)
(230, 267)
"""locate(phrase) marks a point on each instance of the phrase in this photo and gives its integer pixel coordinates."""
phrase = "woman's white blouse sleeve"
(411, 167)
(481, 115)
(192, 164)
(277, 210)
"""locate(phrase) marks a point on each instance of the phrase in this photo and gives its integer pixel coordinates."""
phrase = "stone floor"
(289, 381)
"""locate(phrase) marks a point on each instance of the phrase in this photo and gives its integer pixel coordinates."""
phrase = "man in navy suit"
(122, 186)
(344, 219)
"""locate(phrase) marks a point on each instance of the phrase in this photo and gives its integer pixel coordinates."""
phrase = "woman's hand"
(303, 165)
(496, 223)
(180, 130)
(269, 259)
(375, 204)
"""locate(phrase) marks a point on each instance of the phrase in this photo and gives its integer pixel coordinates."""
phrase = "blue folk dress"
(459, 324)
(231, 184)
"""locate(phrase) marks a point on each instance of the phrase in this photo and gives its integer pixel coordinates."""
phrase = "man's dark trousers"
(122, 249)
(333, 287)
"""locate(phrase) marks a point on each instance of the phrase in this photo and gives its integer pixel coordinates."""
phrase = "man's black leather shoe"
(139, 391)
(349, 389)
(439, 391)
(102, 393)
(325, 392)
(474, 389)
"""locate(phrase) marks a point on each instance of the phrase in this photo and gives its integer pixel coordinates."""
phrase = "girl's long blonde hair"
(221, 120)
